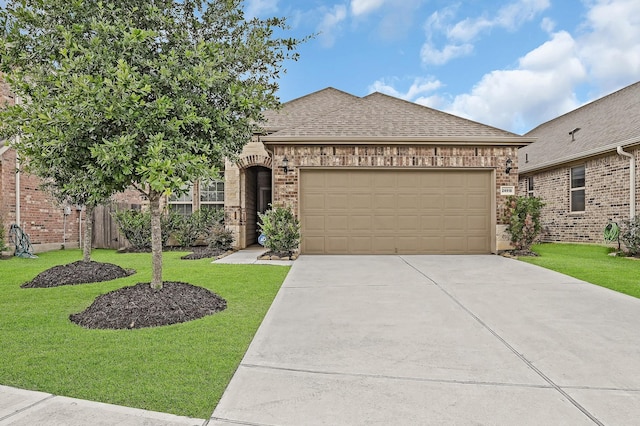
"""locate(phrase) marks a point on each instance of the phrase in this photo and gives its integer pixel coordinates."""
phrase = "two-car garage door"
(395, 211)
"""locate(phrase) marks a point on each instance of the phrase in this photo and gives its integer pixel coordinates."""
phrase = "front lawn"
(181, 369)
(590, 263)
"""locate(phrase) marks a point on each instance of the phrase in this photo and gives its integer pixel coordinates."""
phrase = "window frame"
(530, 186)
(203, 187)
(178, 203)
(577, 189)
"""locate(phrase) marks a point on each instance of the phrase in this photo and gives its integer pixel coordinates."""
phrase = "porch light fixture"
(285, 164)
(508, 167)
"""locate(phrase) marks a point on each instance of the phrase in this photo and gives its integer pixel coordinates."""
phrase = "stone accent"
(239, 208)
(606, 197)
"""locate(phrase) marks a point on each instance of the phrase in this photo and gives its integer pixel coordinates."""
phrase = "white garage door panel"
(395, 211)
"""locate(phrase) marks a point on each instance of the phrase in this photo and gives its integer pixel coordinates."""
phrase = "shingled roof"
(604, 124)
(332, 115)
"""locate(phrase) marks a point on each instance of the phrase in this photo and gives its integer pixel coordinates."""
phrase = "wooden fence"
(105, 230)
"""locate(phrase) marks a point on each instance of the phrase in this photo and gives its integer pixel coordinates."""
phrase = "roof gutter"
(584, 154)
(632, 181)
(404, 140)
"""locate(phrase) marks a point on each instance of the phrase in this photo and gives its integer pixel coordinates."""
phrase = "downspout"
(17, 185)
(632, 181)
(18, 207)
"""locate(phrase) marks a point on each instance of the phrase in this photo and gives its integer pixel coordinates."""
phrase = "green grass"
(181, 369)
(590, 263)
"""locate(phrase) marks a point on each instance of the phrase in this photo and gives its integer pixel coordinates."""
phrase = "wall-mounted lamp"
(508, 167)
(285, 164)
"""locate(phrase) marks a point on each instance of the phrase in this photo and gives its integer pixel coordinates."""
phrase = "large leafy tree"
(144, 93)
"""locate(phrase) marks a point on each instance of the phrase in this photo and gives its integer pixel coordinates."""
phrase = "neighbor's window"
(577, 189)
(212, 194)
(530, 186)
(182, 204)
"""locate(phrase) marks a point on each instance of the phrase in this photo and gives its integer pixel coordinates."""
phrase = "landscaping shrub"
(630, 235)
(135, 225)
(220, 238)
(282, 230)
(188, 229)
(522, 216)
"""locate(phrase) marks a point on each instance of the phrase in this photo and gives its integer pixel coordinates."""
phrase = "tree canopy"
(144, 93)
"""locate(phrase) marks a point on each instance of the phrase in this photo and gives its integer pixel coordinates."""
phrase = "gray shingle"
(603, 123)
(331, 113)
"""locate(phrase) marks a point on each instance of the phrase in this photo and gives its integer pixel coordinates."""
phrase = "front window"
(212, 194)
(183, 203)
(530, 186)
(578, 189)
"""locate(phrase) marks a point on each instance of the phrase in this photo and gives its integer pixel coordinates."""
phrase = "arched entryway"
(257, 184)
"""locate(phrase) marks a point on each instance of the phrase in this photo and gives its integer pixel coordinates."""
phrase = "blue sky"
(513, 64)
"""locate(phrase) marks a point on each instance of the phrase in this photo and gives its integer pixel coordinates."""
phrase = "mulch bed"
(519, 253)
(203, 253)
(77, 273)
(141, 306)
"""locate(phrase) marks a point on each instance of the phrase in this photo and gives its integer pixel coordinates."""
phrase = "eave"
(517, 141)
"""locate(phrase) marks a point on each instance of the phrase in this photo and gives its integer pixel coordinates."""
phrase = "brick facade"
(40, 216)
(606, 197)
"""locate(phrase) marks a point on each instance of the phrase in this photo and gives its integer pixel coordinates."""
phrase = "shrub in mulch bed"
(77, 273)
(140, 306)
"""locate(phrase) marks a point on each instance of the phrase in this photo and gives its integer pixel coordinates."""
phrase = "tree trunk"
(88, 234)
(156, 240)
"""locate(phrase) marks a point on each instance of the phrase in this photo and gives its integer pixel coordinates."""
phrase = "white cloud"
(419, 87)
(361, 7)
(541, 88)
(460, 35)
(432, 55)
(256, 8)
(610, 46)
(330, 25)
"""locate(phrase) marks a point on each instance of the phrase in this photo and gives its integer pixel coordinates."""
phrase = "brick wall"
(606, 197)
(40, 216)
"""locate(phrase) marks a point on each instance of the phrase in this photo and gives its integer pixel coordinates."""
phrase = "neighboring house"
(48, 224)
(376, 175)
(583, 166)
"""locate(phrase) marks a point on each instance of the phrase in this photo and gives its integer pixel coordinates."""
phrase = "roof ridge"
(590, 104)
(437, 111)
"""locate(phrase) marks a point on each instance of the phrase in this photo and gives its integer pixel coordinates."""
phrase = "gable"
(377, 116)
(603, 124)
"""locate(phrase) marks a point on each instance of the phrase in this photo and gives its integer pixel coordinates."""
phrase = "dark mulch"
(77, 273)
(141, 306)
(519, 253)
(202, 253)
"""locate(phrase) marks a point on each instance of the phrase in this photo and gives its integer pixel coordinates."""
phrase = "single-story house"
(365, 175)
(583, 166)
(376, 175)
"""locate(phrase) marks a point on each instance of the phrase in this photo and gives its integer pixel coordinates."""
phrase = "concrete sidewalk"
(30, 408)
(438, 340)
(249, 256)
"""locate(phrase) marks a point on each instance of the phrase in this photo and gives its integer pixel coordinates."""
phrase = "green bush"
(188, 229)
(630, 235)
(220, 238)
(135, 225)
(522, 216)
(282, 230)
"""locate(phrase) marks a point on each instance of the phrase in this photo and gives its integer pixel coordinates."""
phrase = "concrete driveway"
(442, 340)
